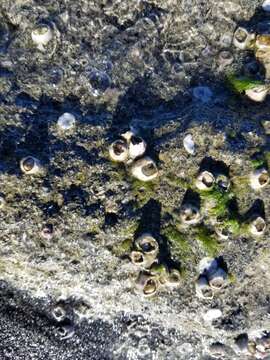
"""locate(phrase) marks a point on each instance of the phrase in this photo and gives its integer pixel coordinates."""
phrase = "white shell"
(118, 156)
(190, 214)
(189, 144)
(205, 181)
(257, 226)
(259, 179)
(207, 265)
(173, 278)
(146, 284)
(147, 244)
(42, 35)
(142, 260)
(202, 93)
(36, 165)
(59, 313)
(246, 40)
(212, 315)
(139, 165)
(266, 5)
(217, 279)
(136, 149)
(203, 289)
(66, 121)
(257, 93)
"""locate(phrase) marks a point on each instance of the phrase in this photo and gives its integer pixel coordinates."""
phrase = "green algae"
(207, 240)
(241, 84)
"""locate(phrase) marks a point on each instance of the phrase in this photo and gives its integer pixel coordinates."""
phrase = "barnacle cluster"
(153, 274)
(130, 149)
(212, 278)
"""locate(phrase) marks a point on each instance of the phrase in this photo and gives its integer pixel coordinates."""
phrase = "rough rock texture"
(115, 64)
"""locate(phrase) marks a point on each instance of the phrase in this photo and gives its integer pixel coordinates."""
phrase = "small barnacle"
(205, 181)
(257, 225)
(222, 232)
(225, 58)
(217, 350)
(203, 290)
(47, 232)
(147, 244)
(223, 182)
(2, 201)
(257, 93)
(217, 279)
(118, 150)
(190, 214)
(59, 313)
(140, 259)
(41, 35)
(66, 121)
(146, 284)
(242, 39)
(173, 278)
(137, 147)
(259, 179)
(66, 331)
(30, 165)
(144, 169)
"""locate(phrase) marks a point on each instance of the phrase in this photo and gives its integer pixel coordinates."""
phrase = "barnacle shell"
(242, 39)
(190, 214)
(147, 244)
(173, 278)
(223, 182)
(137, 147)
(217, 279)
(259, 179)
(59, 313)
(118, 150)
(203, 290)
(144, 169)
(42, 34)
(146, 284)
(257, 93)
(138, 258)
(205, 181)
(66, 121)
(257, 226)
(30, 165)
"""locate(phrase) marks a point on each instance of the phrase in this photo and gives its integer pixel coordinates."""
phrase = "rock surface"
(67, 232)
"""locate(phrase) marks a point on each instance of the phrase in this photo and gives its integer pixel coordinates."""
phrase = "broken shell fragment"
(137, 147)
(203, 290)
(242, 39)
(147, 244)
(259, 179)
(190, 214)
(66, 121)
(257, 93)
(205, 181)
(144, 169)
(30, 165)
(118, 150)
(146, 284)
(257, 226)
(217, 279)
(42, 34)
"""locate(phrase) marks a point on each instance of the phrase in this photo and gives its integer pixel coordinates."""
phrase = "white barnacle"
(147, 244)
(259, 179)
(146, 284)
(137, 147)
(242, 39)
(217, 279)
(190, 214)
(189, 144)
(30, 165)
(59, 313)
(144, 169)
(42, 35)
(173, 278)
(66, 121)
(205, 181)
(118, 150)
(257, 226)
(257, 93)
(203, 290)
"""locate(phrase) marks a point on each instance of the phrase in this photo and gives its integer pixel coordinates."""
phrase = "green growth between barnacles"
(208, 241)
(257, 163)
(179, 241)
(220, 200)
(233, 225)
(173, 180)
(241, 84)
(143, 191)
(124, 248)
